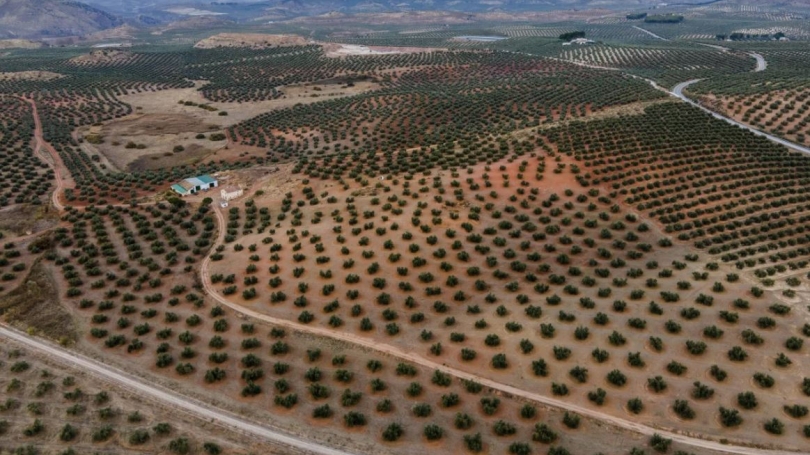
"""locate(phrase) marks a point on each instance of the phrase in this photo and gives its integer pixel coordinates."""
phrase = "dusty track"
(53, 161)
(463, 375)
(186, 404)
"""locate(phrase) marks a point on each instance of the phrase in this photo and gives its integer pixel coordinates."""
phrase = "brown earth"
(251, 40)
(657, 406)
(34, 307)
(162, 121)
(27, 219)
(30, 76)
(19, 44)
(102, 56)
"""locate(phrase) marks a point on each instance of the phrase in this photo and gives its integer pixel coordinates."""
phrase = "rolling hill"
(52, 18)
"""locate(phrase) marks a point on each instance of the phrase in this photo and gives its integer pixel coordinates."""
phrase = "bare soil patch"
(102, 56)
(30, 76)
(158, 124)
(35, 305)
(169, 101)
(343, 50)
(19, 44)
(192, 154)
(27, 219)
(251, 40)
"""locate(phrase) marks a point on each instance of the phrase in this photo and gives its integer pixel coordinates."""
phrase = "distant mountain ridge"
(52, 18)
(21, 19)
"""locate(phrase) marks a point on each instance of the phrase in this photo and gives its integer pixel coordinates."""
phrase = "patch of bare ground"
(125, 31)
(164, 120)
(30, 76)
(153, 140)
(27, 219)
(102, 56)
(251, 40)
(34, 306)
(174, 101)
(19, 44)
(343, 50)
(612, 111)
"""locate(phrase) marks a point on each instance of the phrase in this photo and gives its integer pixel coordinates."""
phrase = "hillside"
(52, 18)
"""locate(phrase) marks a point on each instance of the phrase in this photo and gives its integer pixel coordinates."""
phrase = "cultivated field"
(515, 247)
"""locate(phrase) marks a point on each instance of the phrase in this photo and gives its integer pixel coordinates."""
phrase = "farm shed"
(194, 185)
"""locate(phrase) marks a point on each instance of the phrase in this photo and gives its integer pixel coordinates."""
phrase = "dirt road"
(192, 406)
(762, 64)
(678, 92)
(459, 374)
(53, 161)
(650, 33)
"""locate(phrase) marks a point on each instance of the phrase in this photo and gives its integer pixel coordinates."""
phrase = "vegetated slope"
(774, 100)
(130, 278)
(52, 18)
(445, 99)
(46, 407)
(737, 195)
(665, 65)
(513, 271)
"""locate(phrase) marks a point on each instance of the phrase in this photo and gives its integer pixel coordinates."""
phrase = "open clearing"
(250, 40)
(30, 76)
(343, 50)
(170, 118)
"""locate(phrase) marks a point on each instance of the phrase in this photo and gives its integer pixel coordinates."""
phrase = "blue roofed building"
(194, 185)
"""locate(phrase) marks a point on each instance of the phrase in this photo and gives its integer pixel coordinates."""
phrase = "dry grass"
(35, 306)
(250, 40)
(27, 219)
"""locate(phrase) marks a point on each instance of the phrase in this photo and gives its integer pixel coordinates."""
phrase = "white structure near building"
(230, 193)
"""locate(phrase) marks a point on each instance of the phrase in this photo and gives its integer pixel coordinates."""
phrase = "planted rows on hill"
(129, 276)
(449, 105)
(24, 178)
(496, 274)
(736, 195)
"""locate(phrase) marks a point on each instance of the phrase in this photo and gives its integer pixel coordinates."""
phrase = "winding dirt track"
(54, 161)
(189, 405)
(459, 374)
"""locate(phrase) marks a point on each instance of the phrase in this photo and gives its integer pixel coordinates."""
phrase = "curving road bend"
(463, 375)
(678, 92)
(192, 406)
(762, 64)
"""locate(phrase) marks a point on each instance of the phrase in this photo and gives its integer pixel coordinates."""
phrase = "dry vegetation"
(30, 75)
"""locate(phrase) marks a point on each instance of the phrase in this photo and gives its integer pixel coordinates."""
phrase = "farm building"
(230, 193)
(579, 41)
(194, 185)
